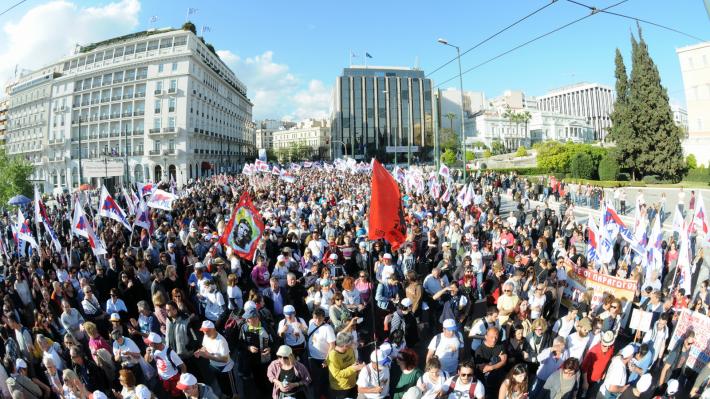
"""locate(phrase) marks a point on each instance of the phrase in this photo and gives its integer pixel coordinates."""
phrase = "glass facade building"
(380, 110)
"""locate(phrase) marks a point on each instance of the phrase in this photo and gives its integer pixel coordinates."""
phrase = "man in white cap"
(595, 363)
(672, 388)
(616, 376)
(386, 269)
(127, 354)
(194, 390)
(403, 325)
(216, 350)
(373, 379)
(20, 382)
(447, 346)
(167, 362)
(292, 330)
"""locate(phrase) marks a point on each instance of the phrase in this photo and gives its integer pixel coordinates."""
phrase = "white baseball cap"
(628, 351)
(186, 381)
(378, 357)
(289, 309)
(115, 317)
(406, 302)
(333, 256)
(644, 382)
(20, 364)
(207, 325)
(199, 265)
(672, 387)
(449, 324)
(387, 256)
(153, 338)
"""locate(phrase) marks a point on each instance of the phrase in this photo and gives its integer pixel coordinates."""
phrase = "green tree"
(15, 174)
(487, 153)
(448, 139)
(658, 150)
(521, 152)
(497, 147)
(608, 168)
(448, 157)
(691, 161)
(582, 166)
(189, 26)
(470, 156)
(450, 116)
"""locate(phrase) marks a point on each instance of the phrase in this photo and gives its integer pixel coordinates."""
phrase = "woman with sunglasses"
(563, 383)
(288, 376)
(515, 384)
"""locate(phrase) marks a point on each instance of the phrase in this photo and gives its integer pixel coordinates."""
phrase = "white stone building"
(3, 120)
(154, 101)
(312, 133)
(695, 68)
(592, 101)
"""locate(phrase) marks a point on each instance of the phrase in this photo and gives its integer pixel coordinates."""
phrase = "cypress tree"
(657, 144)
(620, 131)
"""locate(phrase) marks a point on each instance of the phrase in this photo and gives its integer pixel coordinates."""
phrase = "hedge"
(606, 183)
(698, 175)
(532, 171)
(582, 166)
(609, 169)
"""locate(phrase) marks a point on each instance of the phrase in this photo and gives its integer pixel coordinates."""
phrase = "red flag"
(386, 214)
(244, 229)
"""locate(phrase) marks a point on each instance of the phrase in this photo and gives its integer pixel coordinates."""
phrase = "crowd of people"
(470, 306)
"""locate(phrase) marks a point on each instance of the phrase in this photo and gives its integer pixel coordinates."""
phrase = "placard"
(641, 320)
(580, 279)
(699, 354)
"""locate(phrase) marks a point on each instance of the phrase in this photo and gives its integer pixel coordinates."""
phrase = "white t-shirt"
(461, 391)
(235, 293)
(447, 351)
(214, 305)
(431, 386)
(128, 346)
(165, 368)
(218, 346)
(536, 302)
(563, 327)
(476, 261)
(319, 340)
(615, 375)
(368, 379)
(577, 345)
(293, 335)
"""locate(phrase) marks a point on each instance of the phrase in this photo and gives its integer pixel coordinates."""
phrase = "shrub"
(651, 179)
(623, 176)
(582, 166)
(609, 169)
(606, 183)
(698, 175)
(554, 156)
(470, 156)
(448, 157)
(487, 153)
(521, 152)
(691, 161)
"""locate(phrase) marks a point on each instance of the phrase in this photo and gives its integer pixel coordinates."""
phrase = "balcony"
(169, 151)
(157, 110)
(158, 92)
(172, 90)
(142, 76)
(154, 152)
(154, 130)
(138, 113)
(138, 132)
(138, 152)
(169, 130)
(171, 109)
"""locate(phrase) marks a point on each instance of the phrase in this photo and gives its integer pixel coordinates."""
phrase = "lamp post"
(345, 148)
(463, 128)
(81, 169)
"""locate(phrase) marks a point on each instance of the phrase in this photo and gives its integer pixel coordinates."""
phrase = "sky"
(289, 53)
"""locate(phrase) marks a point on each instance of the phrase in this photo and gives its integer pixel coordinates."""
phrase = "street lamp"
(345, 148)
(463, 131)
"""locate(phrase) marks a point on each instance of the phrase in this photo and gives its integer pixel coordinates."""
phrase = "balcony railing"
(154, 130)
(169, 130)
(157, 110)
(138, 152)
(172, 90)
(158, 92)
(171, 109)
(138, 113)
(170, 151)
(138, 132)
(154, 152)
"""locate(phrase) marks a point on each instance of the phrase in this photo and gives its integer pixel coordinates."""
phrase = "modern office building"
(160, 103)
(312, 133)
(593, 101)
(383, 112)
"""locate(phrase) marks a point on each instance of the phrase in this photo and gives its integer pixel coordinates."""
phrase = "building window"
(171, 104)
(171, 122)
(156, 123)
(174, 68)
(157, 106)
(156, 145)
(160, 68)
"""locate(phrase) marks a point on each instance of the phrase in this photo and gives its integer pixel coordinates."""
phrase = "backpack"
(471, 389)
(437, 340)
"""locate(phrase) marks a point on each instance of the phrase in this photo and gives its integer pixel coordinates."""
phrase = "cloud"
(275, 91)
(50, 31)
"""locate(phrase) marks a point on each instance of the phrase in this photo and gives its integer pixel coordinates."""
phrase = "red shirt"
(595, 362)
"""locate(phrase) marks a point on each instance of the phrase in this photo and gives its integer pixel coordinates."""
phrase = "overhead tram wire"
(493, 35)
(596, 11)
(638, 20)
(11, 7)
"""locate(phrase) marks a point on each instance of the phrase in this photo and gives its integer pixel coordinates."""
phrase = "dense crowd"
(470, 306)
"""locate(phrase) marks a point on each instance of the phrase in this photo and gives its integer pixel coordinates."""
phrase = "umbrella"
(19, 200)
